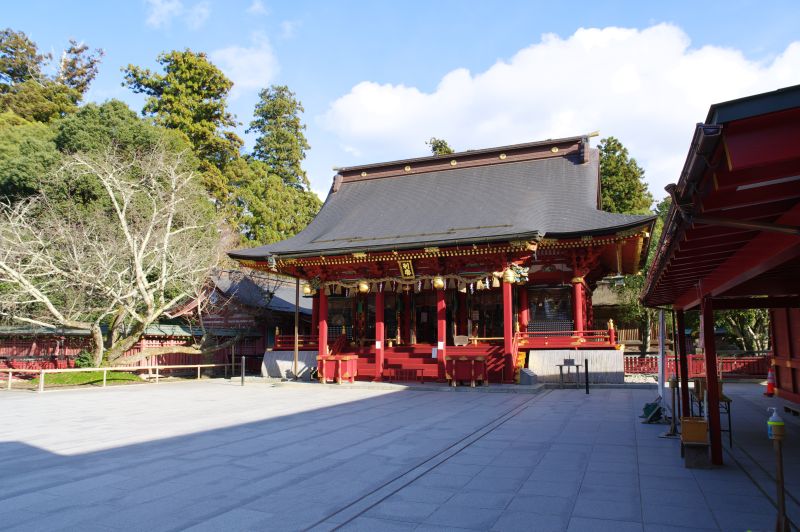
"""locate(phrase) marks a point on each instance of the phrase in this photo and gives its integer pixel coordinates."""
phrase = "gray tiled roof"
(247, 292)
(550, 197)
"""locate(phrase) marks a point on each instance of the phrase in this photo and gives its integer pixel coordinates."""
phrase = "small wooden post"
(41, 380)
(198, 372)
(9, 380)
(586, 374)
(105, 371)
(157, 372)
(242, 367)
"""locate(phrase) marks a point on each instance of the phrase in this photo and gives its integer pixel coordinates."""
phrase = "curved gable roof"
(552, 195)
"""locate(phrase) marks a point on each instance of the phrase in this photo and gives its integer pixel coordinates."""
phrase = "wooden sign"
(406, 269)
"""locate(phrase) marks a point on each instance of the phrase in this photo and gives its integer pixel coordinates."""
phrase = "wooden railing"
(733, 366)
(158, 369)
(598, 339)
(305, 342)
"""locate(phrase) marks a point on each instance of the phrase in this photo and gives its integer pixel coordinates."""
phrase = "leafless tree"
(147, 241)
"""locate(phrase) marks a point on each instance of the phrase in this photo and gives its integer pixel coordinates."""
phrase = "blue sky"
(379, 78)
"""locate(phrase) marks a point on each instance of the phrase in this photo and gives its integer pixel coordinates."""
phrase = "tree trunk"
(118, 349)
(182, 349)
(645, 333)
(97, 340)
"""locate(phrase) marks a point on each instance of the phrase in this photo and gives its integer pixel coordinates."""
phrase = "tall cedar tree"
(623, 188)
(33, 95)
(191, 96)
(281, 143)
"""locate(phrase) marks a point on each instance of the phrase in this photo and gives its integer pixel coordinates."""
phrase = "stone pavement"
(212, 456)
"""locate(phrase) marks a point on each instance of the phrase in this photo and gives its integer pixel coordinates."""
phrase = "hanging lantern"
(480, 284)
(363, 287)
(495, 282)
(438, 283)
(306, 290)
(509, 276)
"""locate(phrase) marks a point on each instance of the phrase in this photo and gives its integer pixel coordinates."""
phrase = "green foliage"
(79, 66)
(190, 96)
(40, 101)
(623, 188)
(27, 155)
(268, 209)
(439, 146)
(95, 128)
(84, 360)
(20, 59)
(281, 143)
(26, 90)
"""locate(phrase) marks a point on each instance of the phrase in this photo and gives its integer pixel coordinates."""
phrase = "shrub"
(84, 360)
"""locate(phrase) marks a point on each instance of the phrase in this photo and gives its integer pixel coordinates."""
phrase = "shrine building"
(484, 260)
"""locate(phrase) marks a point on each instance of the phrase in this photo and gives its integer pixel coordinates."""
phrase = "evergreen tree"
(281, 143)
(190, 96)
(20, 59)
(79, 66)
(623, 188)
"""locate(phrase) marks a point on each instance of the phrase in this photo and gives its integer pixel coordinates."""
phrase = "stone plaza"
(211, 455)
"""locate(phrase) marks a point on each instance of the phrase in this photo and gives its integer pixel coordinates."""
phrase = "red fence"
(59, 353)
(306, 342)
(734, 366)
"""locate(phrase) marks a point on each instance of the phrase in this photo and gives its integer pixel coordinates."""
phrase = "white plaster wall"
(281, 363)
(606, 366)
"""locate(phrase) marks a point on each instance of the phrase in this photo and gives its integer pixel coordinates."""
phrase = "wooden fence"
(50, 353)
(729, 366)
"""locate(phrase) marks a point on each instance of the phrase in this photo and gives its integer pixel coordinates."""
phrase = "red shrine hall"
(458, 267)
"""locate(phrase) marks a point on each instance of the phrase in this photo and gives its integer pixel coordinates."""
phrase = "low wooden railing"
(158, 369)
(566, 339)
(730, 366)
(305, 342)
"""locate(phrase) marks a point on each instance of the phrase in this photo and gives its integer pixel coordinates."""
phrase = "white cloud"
(160, 13)
(646, 87)
(249, 68)
(258, 8)
(197, 15)
(288, 27)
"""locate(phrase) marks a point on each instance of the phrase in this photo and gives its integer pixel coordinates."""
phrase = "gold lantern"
(509, 276)
(438, 283)
(363, 287)
(306, 290)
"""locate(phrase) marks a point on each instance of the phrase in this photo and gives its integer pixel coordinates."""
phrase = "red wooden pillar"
(712, 381)
(462, 313)
(314, 313)
(323, 322)
(578, 304)
(441, 331)
(524, 309)
(684, 362)
(508, 332)
(380, 339)
(407, 316)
